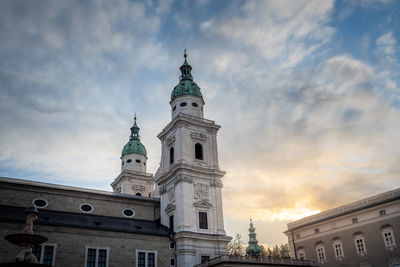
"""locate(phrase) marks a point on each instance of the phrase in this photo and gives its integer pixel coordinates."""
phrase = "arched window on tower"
(171, 155)
(198, 151)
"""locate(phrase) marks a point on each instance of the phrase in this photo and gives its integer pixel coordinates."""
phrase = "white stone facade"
(189, 183)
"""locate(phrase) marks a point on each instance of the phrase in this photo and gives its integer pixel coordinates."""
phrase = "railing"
(249, 259)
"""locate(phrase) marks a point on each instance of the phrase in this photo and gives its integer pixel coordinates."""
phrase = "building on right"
(362, 233)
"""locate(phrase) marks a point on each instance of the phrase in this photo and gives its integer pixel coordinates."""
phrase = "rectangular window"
(96, 257)
(172, 262)
(205, 258)
(360, 245)
(388, 238)
(203, 224)
(301, 256)
(172, 245)
(146, 258)
(45, 253)
(321, 254)
(354, 220)
(171, 223)
(338, 248)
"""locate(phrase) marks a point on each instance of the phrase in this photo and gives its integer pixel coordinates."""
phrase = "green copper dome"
(186, 85)
(134, 146)
(253, 249)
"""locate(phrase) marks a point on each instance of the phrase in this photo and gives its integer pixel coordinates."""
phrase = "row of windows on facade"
(353, 220)
(97, 257)
(85, 207)
(198, 153)
(138, 161)
(184, 104)
(359, 243)
(203, 222)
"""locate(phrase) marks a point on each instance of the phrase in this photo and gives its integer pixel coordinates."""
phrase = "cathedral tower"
(189, 178)
(133, 178)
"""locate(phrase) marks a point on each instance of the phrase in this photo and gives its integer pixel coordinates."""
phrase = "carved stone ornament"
(170, 140)
(138, 187)
(200, 191)
(171, 194)
(163, 189)
(198, 136)
(170, 207)
(182, 178)
(216, 183)
(204, 203)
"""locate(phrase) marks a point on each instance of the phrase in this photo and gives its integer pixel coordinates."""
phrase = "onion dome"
(186, 85)
(134, 146)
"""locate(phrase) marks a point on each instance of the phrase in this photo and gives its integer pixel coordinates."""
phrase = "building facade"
(172, 219)
(362, 233)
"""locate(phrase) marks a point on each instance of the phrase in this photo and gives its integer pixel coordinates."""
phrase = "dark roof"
(87, 221)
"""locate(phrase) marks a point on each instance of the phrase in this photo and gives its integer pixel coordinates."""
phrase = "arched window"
(198, 151)
(138, 194)
(171, 155)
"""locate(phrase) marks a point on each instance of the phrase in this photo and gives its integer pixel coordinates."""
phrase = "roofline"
(73, 188)
(362, 204)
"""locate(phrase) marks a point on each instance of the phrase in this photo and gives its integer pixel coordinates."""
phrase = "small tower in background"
(253, 249)
(133, 178)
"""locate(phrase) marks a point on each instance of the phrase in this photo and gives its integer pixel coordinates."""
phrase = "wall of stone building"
(70, 201)
(72, 242)
(377, 254)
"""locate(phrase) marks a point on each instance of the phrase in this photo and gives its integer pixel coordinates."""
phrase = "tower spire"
(253, 249)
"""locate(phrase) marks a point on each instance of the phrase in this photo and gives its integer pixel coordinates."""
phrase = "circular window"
(174, 108)
(183, 104)
(138, 161)
(40, 203)
(128, 213)
(129, 161)
(195, 105)
(87, 208)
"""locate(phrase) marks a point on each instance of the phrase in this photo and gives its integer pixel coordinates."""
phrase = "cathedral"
(174, 218)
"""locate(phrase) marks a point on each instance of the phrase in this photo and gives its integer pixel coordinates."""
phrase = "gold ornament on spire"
(134, 117)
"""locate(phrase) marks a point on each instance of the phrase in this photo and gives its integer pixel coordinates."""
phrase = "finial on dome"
(185, 54)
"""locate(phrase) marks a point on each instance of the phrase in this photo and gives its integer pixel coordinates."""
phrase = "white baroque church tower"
(188, 180)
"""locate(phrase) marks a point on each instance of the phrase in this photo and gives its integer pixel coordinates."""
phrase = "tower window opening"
(171, 223)
(138, 161)
(195, 105)
(129, 161)
(198, 151)
(203, 224)
(171, 155)
(174, 108)
(183, 104)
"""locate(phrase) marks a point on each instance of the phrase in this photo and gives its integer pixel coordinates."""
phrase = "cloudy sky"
(307, 94)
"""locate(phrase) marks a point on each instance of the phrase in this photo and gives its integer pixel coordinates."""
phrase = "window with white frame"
(146, 258)
(321, 253)
(96, 256)
(359, 242)
(338, 249)
(45, 253)
(388, 238)
(301, 255)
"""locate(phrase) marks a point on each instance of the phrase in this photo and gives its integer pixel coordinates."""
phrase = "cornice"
(187, 119)
(188, 167)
